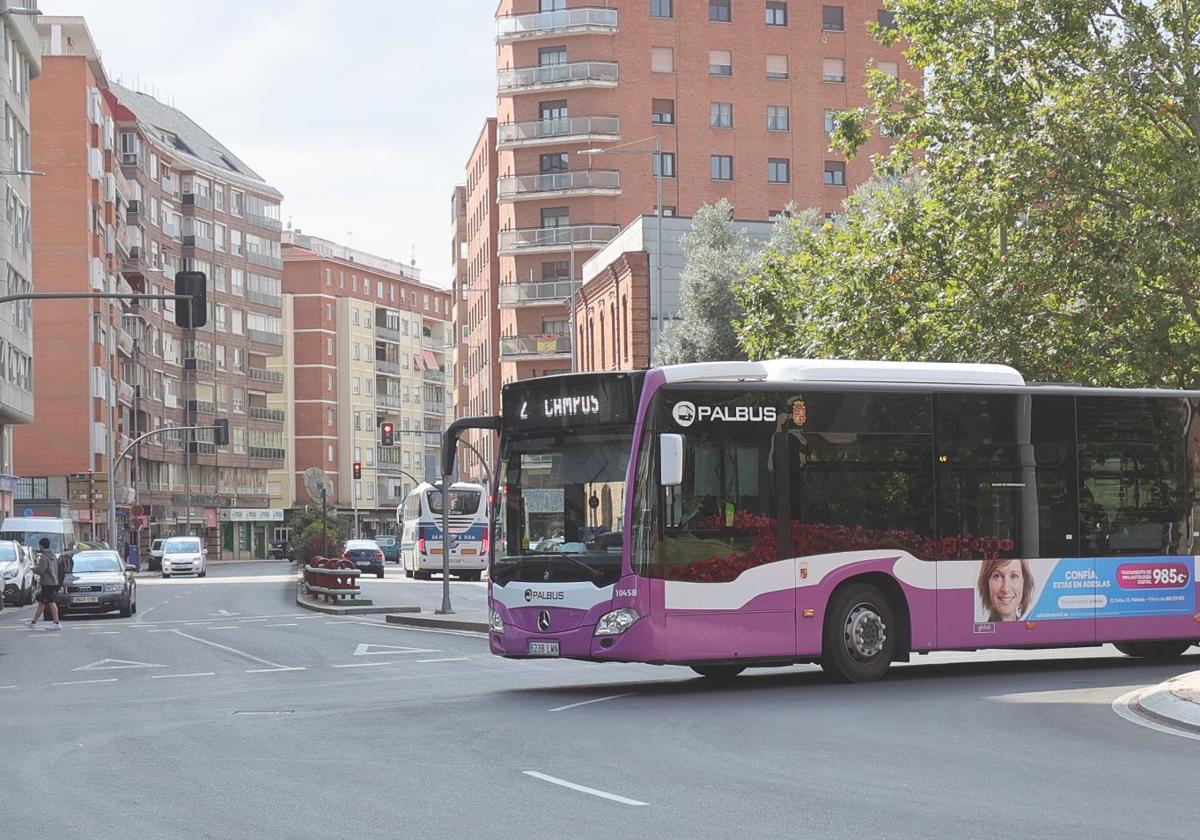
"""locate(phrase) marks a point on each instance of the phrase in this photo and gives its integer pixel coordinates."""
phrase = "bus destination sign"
(560, 401)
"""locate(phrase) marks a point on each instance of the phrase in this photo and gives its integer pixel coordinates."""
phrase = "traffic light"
(357, 470)
(387, 434)
(221, 432)
(193, 312)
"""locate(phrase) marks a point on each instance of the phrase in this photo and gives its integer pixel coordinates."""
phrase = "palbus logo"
(684, 413)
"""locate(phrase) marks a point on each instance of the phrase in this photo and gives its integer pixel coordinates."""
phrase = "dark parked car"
(366, 555)
(282, 551)
(390, 547)
(98, 582)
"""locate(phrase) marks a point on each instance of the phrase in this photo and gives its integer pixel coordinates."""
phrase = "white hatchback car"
(184, 556)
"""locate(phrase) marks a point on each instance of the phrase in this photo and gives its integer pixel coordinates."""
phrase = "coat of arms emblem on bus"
(799, 412)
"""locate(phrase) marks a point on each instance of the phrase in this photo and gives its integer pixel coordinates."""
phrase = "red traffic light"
(357, 469)
(387, 434)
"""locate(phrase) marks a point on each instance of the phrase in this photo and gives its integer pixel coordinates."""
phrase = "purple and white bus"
(738, 514)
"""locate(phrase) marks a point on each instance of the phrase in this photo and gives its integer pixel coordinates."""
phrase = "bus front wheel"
(719, 672)
(1154, 651)
(859, 635)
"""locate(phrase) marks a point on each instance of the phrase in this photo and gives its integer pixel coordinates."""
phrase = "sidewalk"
(1176, 701)
(415, 603)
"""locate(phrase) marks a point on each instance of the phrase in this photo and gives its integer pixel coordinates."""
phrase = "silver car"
(98, 582)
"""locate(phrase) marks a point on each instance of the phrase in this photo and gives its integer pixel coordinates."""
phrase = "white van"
(29, 530)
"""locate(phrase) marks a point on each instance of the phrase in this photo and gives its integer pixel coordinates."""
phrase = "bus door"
(1010, 573)
(727, 590)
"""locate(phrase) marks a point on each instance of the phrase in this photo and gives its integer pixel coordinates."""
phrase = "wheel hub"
(866, 632)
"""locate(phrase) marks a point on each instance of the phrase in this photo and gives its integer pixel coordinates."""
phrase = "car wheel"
(126, 609)
(165, 576)
(859, 635)
(203, 573)
(379, 574)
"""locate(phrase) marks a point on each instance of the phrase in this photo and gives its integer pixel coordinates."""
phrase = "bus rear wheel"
(1154, 651)
(719, 672)
(859, 635)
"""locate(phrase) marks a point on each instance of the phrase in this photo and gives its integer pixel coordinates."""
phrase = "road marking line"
(364, 649)
(7, 686)
(116, 665)
(181, 676)
(273, 670)
(281, 625)
(1122, 706)
(447, 659)
(86, 682)
(248, 620)
(224, 627)
(272, 666)
(597, 700)
(363, 665)
(582, 788)
(104, 633)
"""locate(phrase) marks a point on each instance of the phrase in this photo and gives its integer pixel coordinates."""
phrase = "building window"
(833, 19)
(663, 111)
(662, 60)
(661, 9)
(835, 173)
(777, 66)
(779, 170)
(718, 10)
(830, 120)
(779, 118)
(891, 68)
(886, 19)
(720, 115)
(556, 162)
(833, 70)
(720, 63)
(722, 167)
(668, 164)
(776, 14)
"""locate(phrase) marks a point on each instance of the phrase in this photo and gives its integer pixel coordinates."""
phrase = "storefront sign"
(252, 515)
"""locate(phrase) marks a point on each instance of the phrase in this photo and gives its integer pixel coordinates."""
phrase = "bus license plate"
(543, 649)
(85, 599)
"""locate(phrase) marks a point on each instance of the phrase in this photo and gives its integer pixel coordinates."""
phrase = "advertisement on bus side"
(1085, 587)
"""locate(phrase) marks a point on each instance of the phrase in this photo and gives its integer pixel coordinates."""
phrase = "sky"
(361, 112)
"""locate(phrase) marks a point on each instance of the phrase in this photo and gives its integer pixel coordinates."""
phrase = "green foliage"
(306, 529)
(312, 545)
(1038, 208)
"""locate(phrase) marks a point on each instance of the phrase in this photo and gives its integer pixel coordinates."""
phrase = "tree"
(1038, 206)
(715, 254)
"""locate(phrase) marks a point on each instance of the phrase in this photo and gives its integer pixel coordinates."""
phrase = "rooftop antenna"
(413, 258)
(289, 227)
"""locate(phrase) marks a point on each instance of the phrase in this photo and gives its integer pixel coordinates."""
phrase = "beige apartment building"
(738, 95)
(369, 343)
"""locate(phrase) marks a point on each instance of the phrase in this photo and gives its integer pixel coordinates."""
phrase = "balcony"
(264, 337)
(552, 293)
(200, 407)
(537, 240)
(435, 408)
(265, 260)
(554, 184)
(563, 130)
(125, 394)
(557, 24)
(197, 200)
(264, 299)
(124, 342)
(170, 186)
(200, 447)
(387, 333)
(197, 364)
(387, 400)
(264, 375)
(133, 212)
(204, 243)
(260, 413)
(433, 342)
(385, 366)
(267, 452)
(546, 77)
(262, 221)
(535, 347)
(383, 462)
(434, 375)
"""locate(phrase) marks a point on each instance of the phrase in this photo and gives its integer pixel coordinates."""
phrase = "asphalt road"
(221, 710)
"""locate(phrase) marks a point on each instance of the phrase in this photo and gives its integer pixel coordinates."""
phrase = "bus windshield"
(462, 502)
(562, 503)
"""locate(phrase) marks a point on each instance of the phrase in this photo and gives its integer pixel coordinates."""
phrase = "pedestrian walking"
(50, 578)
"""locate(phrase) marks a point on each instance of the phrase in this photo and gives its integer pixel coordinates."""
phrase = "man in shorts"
(48, 579)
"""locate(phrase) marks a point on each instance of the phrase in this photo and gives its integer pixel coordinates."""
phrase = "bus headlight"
(495, 622)
(616, 622)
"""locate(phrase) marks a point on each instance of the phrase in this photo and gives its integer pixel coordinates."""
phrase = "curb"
(352, 610)
(1161, 704)
(437, 621)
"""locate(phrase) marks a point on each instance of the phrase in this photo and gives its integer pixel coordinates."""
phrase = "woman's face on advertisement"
(1005, 586)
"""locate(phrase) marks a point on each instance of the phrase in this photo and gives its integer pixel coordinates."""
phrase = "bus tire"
(719, 673)
(1154, 651)
(860, 634)
(408, 573)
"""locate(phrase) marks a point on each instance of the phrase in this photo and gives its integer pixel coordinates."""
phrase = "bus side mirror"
(670, 460)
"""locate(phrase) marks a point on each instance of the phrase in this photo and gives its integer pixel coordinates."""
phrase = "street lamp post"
(658, 177)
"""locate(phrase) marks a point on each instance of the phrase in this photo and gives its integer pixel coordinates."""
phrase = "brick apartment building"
(369, 343)
(135, 191)
(21, 65)
(740, 95)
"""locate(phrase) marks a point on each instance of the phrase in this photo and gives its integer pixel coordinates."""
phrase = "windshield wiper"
(594, 574)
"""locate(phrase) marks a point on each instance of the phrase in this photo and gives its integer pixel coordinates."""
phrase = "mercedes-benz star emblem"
(546, 575)
(544, 620)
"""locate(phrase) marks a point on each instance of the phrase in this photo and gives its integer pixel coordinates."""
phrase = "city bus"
(420, 517)
(736, 514)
